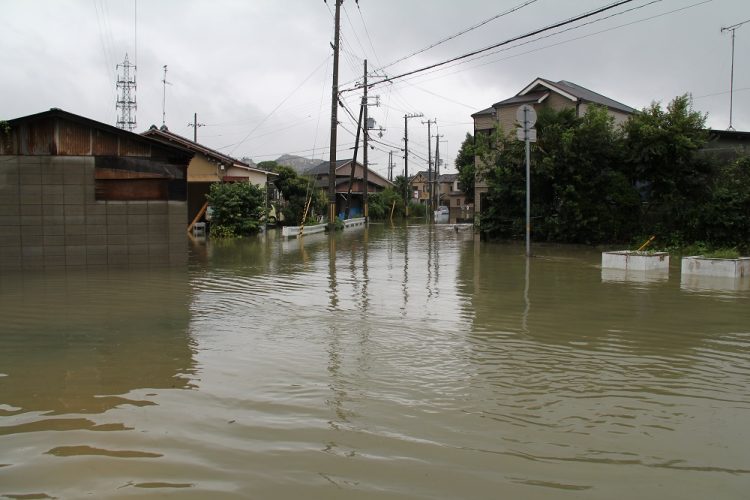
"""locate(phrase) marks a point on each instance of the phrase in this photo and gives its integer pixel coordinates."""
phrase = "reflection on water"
(394, 362)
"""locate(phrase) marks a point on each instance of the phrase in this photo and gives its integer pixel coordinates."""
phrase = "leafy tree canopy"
(465, 166)
(238, 208)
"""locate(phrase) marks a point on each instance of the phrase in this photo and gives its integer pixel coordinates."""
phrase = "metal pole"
(430, 216)
(528, 189)
(406, 164)
(195, 127)
(731, 85)
(334, 122)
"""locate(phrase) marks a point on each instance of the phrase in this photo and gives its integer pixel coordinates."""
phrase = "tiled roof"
(165, 135)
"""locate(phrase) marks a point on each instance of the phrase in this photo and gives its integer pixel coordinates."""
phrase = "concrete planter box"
(636, 261)
(640, 277)
(357, 222)
(700, 283)
(294, 231)
(720, 268)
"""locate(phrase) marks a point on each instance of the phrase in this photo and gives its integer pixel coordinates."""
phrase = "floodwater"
(407, 362)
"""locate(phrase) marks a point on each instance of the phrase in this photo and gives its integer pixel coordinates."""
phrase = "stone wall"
(49, 218)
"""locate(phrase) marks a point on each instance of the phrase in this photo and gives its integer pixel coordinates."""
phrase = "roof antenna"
(732, 29)
(164, 99)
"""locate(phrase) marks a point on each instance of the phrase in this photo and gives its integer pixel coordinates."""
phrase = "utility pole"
(390, 166)
(732, 28)
(365, 146)
(437, 169)
(334, 121)
(126, 99)
(195, 126)
(430, 180)
(406, 158)
(354, 162)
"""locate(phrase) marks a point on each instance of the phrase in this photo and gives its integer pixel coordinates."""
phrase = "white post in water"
(526, 117)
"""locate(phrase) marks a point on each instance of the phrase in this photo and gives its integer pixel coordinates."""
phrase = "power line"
(279, 105)
(554, 44)
(367, 32)
(505, 42)
(462, 32)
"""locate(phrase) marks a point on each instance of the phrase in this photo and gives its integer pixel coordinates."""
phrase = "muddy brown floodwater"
(406, 362)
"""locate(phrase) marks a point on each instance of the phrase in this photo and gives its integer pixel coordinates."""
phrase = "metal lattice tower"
(126, 104)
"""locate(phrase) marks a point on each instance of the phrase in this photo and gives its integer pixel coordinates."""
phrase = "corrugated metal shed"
(57, 132)
(128, 166)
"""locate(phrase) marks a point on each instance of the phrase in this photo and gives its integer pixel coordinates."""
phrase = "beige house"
(540, 94)
(420, 187)
(208, 167)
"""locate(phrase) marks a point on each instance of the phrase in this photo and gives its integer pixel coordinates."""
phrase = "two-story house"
(540, 93)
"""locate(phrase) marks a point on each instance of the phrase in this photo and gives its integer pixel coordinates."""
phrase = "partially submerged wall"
(49, 217)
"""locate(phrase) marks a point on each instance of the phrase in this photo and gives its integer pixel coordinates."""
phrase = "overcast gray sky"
(258, 72)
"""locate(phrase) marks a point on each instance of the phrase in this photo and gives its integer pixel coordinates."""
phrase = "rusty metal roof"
(61, 133)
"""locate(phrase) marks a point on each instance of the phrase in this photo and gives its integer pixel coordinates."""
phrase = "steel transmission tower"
(126, 104)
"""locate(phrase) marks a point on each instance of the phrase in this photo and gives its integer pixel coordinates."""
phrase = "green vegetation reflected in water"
(393, 362)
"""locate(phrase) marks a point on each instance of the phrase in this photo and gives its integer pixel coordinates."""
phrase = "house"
(420, 186)
(451, 196)
(375, 183)
(207, 167)
(540, 93)
(74, 191)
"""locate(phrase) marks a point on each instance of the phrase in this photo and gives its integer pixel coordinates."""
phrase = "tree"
(402, 187)
(237, 208)
(270, 166)
(380, 204)
(296, 191)
(662, 147)
(465, 166)
(724, 220)
(579, 191)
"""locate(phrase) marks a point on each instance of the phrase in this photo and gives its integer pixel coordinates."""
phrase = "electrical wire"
(462, 32)
(562, 42)
(500, 44)
(277, 107)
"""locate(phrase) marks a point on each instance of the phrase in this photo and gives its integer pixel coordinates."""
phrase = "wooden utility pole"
(195, 126)
(437, 170)
(365, 146)
(334, 121)
(430, 215)
(354, 164)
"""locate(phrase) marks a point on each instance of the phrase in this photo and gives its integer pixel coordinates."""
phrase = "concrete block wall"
(49, 217)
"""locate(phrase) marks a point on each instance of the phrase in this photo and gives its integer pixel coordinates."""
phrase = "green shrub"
(417, 209)
(237, 207)
(379, 204)
(222, 232)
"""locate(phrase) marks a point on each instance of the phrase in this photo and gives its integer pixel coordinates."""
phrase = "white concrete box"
(636, 261)
(722, 268)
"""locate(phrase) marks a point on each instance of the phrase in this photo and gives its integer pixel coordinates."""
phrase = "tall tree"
(662, 147)
(465, 166)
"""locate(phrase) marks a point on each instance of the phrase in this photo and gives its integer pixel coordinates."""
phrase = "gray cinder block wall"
(49, 217)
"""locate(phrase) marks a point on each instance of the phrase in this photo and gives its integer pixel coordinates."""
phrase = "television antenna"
(732, 28)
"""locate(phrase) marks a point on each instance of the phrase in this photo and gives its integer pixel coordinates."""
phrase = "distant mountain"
(298, 163)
